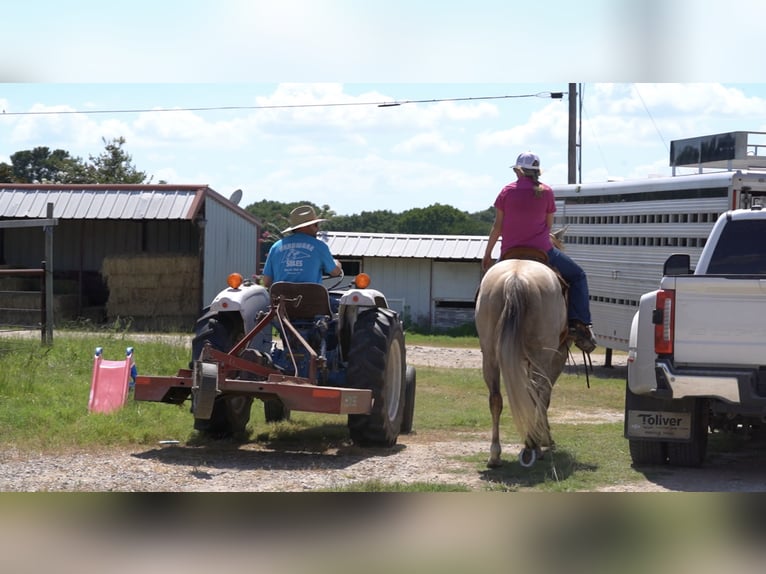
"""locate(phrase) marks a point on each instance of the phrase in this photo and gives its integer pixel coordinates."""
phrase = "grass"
(44, 395)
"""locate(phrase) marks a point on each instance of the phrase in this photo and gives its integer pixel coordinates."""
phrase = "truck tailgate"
(719, 319)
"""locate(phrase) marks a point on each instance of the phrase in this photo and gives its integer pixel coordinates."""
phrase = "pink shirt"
(524, 215)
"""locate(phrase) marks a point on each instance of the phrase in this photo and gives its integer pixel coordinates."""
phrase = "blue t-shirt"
(299, 258)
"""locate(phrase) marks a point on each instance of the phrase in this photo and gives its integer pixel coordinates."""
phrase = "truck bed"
(719, 319)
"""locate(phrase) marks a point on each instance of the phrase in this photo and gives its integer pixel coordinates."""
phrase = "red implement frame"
(297, 393)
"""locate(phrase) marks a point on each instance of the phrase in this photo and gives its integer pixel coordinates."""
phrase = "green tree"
(434, 220)
(41, 165)
(115, 165)
(6, 173)
(437, 219)
(383, 221)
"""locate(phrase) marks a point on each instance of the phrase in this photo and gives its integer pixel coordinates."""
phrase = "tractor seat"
(303, 301)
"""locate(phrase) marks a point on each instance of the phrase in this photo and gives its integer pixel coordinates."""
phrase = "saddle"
(530, 253)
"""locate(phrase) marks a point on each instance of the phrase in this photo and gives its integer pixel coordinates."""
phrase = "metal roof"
(354, 244)
(163, 201)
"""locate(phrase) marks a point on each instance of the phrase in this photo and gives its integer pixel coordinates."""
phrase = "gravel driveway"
(420, 457)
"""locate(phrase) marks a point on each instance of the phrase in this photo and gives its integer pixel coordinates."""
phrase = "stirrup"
(582, 336)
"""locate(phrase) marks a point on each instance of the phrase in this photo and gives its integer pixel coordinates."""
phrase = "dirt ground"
(419, 457)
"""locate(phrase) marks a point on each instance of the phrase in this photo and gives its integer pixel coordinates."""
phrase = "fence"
(45, 273)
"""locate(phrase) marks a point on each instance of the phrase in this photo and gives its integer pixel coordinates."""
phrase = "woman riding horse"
(523, 217)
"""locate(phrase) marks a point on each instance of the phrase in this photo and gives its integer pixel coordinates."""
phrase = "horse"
(521, 320)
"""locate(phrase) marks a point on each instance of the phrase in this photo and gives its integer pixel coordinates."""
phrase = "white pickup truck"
(697, 349)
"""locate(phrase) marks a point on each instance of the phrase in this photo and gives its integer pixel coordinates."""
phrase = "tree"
(382, 221)
(41, 165)
(439, 219)
(6, 173)
(433, 220)
(115, 165)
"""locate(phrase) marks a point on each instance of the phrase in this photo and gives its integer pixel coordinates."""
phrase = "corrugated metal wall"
(89, 241)
(231, 244)
(404, 282)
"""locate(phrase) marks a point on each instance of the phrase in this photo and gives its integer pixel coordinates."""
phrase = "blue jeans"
(579, 306)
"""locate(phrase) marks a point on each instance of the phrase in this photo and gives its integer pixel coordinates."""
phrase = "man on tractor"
(300, 257)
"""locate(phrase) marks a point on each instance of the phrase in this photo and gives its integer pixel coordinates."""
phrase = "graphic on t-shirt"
(294, 260)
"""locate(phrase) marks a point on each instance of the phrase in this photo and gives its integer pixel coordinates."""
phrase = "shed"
(156, 252)
(430, 279)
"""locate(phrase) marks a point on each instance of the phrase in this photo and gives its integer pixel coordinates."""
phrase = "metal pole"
(572, 155)
(49, 278)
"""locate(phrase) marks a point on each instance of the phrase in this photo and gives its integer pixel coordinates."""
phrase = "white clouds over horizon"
(332, 143)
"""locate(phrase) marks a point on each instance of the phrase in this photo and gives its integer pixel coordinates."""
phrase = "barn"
(430, 279)
(150, 254)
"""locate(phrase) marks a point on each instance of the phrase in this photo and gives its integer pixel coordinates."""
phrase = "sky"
(282, 99)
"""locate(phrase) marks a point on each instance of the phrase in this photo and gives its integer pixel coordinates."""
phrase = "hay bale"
(166, 285)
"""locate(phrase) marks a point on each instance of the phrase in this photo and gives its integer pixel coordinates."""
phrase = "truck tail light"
(664, 322)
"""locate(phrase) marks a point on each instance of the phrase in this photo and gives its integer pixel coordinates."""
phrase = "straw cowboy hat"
(301, 217)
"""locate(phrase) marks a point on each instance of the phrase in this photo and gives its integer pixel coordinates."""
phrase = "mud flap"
(653, 419)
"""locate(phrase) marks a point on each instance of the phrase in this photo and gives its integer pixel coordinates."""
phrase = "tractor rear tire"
(231, 413)
(409, 400)
(376, 361)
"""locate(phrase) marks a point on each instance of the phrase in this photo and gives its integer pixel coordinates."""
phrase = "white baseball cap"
(527, 160)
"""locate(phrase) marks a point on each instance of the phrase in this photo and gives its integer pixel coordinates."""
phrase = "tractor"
(296, 347)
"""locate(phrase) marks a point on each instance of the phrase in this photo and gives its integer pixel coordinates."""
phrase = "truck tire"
(377, 362)
(231, 413)
(692, 453)
(409, 400)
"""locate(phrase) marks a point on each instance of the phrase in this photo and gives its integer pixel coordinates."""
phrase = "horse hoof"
(493, 463)
(527, 457)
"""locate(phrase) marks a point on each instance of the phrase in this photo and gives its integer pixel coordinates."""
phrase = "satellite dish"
(236, 197)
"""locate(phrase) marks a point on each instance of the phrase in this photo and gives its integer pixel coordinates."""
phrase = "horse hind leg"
(495, 407)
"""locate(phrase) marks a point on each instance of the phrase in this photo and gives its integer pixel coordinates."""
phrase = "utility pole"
(572, 150)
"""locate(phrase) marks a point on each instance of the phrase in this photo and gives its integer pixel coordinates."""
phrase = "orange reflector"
(234, 280)
(362, 281)
(325, 393)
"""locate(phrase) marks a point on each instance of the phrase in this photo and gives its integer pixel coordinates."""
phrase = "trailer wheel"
(377, 362)
(409, 399)
(231, 413)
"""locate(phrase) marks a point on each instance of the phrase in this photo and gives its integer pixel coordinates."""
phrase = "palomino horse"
(521, 319)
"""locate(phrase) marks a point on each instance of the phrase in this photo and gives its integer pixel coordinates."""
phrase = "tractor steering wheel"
(327, 280)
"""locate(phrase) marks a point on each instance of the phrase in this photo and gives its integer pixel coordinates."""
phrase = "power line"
(386, 104)
(657, 129)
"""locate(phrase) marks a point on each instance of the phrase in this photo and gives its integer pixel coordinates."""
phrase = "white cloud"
(428, 142)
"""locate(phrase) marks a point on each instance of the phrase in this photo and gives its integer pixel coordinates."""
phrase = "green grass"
(44, 395)
(442, 340)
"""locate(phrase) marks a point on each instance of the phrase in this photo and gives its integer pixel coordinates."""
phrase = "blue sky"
(302, 80)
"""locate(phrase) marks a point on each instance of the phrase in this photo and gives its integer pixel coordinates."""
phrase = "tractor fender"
(248, 300)
(363, 298)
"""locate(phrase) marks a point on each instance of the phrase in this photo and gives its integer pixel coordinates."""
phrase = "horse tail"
(520, 374)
